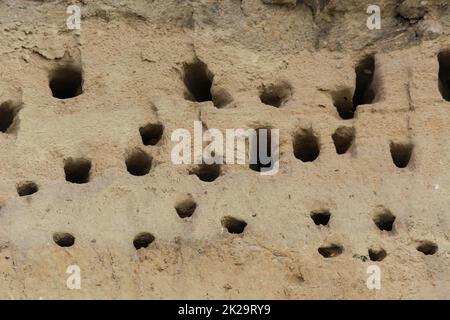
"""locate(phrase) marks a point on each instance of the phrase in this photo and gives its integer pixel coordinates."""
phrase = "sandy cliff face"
(86, 118)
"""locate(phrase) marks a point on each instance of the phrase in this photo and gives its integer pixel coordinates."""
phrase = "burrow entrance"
(275, 95)
(198, 81)
(444, 74)
(63, 239)
(364, 90)
(383, 219)
(138, 162)
(342, 100)
(27, 188)
(306, 145)
(401, 153)
(321, 217)
(143, 240)
(427, 247)
(207, 172)
(233, 225)
(331, 250)
(186, 208)
(8, 114)
(377, 254)
(77, 170)
(151, 133)
(66, 81)
(343, 139)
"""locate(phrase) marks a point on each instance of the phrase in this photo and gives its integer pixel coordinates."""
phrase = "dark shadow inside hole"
(275, 95)
(207, 172)
(138, 163)
(306, 146)
(27, 188)
(330, 251)
(143, 240)
(233, 225)
(364, 90)
(384, 219)
(444, 74)
(321, 217)
(186, 208)
(377, 254)
(263, 147)
(151, 133)
(364, 93)
(198, 81)
(343, 139)
(401, 153)
(427, 247)
(342, 100)
(63, 239)
(66, 82)
(8, 113)
(77, 170)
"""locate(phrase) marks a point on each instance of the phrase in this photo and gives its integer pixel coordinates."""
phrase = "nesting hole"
(364, 92)
(198, 81)
(377, 254)
(427, 247)
(321, 217)
(401, 153)
(143, 240)
(138, 163)
(233, 225)
(27, 188)
(306, 146)
(151, 133)
(343, 139)
(186, 208)
(384, 219)
(77, 170)
(63, 239)
(342, 100)
(263, 148)
(8, 113)
(330, 251)
(275, 95)
(66, 82)
(444, 74)
(207, 172)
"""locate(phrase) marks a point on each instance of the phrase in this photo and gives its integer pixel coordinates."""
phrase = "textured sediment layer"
(363, 116)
